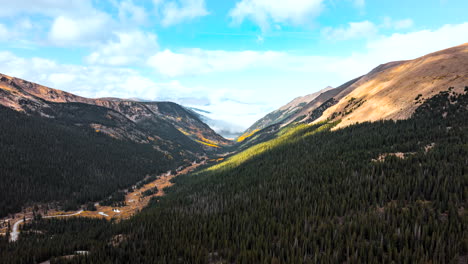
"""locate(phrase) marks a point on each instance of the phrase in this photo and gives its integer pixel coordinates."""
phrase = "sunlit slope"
(390, 91)
(283, 113)
(287, 135)
(397, 91)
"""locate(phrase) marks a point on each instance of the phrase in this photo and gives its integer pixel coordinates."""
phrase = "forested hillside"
(45, 160)
(382, 192)
(59, 147)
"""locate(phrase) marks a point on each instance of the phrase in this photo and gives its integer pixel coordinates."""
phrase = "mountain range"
(372, 171)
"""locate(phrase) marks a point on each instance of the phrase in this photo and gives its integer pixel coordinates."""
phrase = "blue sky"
(238, 59)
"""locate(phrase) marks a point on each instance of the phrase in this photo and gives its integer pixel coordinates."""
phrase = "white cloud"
(175, 12)
(95, 81)
(360, 3)
(4, 33)
(265, 12)
(80, 31)
(414, 44)
(11, 8)
(397, 24)
(405, 23)
(61, 79)
(399, 47)
(65, 23)
(129, 12)
(197, 61)
(24, 24)
(364, 29)
(129, 48)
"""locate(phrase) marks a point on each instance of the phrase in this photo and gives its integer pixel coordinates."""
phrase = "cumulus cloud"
(413, 44)
(69, 23)
(364, 29)
(198, 61)
(175, 12)
(80, 31)
(265, 12)
(4, 33)
(129, 12)
(45, 7)
(399, 46)
(397, 24)
(128, 49)
(93, 81)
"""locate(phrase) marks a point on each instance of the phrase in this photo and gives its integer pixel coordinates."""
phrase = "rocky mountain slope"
(142, 122)
(395, 90)
(283, 113)
(390, 91)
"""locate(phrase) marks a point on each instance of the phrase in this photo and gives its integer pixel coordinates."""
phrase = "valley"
(372, 171)
(134, 202)
(233, 132)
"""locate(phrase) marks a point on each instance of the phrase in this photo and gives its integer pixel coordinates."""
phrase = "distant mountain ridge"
(283, 113)
(32, 98)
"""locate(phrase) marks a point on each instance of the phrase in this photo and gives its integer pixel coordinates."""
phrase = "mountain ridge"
(283, 113)
(399, 87)
(25, 96)
(355, 101)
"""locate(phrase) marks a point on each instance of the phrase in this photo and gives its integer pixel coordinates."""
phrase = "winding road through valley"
(15, 232)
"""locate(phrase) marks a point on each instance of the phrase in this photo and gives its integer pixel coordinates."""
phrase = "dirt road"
(15, 232)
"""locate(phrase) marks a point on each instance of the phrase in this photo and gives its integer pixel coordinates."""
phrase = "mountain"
(154, 119)
(395, 90)
(278, 116)
(390, 91)
(374, 192)
(59, 147)
(317, 187)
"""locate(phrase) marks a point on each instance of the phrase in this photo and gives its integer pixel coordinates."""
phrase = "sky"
(236, 59)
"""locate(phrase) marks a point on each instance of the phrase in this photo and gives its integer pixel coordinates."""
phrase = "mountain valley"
(372, 171)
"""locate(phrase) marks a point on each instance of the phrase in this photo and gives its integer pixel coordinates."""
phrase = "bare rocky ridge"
(32, 98)
(390, 91)
(394, 90)
(285, 112)
(315, 107)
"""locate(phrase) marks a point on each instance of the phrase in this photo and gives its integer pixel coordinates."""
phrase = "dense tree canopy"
(44, 160)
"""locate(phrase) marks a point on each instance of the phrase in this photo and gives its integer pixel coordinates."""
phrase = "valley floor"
(134, 202)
